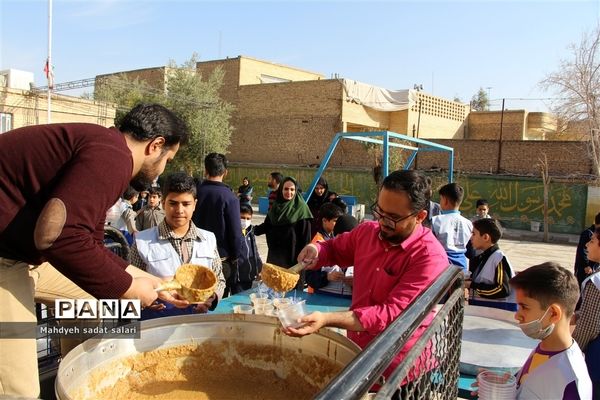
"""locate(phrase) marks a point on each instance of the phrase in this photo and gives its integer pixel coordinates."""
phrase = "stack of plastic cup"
(496, 386)
(291, 313)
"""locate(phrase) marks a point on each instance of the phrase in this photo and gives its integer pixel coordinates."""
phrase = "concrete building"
(21, 106)
(288, 116)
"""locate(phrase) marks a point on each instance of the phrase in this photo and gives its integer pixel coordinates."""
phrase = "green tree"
(480, 101)
(185, 92)
(198, 102)
(126, 93)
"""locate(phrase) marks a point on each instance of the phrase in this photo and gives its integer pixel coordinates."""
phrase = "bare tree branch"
(577, 86)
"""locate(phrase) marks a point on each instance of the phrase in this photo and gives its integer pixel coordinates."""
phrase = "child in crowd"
(334, 280)
(451, 229)
(432, 207)
(482, 210)
(122, 216)
(142, 201)
(328, 215)
(490, 270)
(546, 295)
(176, 240)
(249, 263)
(587, 331)
(152, 214)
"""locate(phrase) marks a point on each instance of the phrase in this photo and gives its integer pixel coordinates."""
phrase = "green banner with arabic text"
(517, 202)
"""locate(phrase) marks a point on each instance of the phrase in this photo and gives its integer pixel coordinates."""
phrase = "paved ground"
(523, 248)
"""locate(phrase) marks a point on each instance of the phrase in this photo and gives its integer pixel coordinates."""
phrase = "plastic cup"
(496, 386)
(289, 315)
(262, 302)
(257, 296)
(263, 308)
(272, 312)
(282, 302)
(242, 309)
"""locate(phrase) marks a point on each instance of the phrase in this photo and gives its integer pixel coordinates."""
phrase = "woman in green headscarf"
(287, 225)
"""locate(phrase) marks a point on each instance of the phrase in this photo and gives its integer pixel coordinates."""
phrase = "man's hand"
(312, 323)
(168, 296)
(142, 288)
(309, 256)
(171, 296)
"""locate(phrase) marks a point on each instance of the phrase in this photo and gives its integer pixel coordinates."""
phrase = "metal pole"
(451, 167)
(500, 144)
(419, 118)
(49, 62)
(386, 155)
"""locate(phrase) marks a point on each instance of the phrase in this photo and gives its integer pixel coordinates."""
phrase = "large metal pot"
(100, 354)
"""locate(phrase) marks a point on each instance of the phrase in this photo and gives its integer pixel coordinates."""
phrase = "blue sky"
(452, 48)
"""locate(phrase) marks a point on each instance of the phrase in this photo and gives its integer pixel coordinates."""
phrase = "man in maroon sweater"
(56, 183)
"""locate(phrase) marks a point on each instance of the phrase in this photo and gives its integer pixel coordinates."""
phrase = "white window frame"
(5, 122)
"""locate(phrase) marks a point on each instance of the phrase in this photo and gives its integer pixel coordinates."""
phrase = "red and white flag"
(48, 70)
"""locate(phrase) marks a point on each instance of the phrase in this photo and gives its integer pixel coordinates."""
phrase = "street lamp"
(489, 90)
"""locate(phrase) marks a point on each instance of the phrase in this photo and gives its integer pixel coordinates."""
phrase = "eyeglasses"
(388, 221)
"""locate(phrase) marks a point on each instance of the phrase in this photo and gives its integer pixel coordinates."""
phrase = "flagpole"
(49, 62)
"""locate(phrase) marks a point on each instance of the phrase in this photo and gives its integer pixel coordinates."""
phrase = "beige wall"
(541, 126)
(251, 71)
(355, 114)
(439, 118)
(28, 108)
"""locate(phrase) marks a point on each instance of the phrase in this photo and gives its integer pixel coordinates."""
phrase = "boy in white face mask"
(546, 295)
(249, 262)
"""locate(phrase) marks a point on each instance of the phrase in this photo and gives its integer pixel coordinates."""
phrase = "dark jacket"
(218, 211)
(500, 288)
(581, 260)
(284, 241)
(249, 263)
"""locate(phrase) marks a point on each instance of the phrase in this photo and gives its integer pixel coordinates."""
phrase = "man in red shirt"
(395, 259)
(56, 183)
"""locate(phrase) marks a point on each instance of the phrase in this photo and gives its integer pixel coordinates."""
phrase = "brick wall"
(229, 89)
(154, 77)
(517, 157)
(485, 125)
